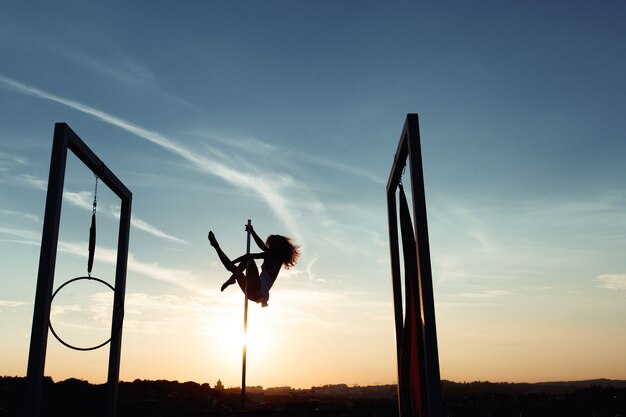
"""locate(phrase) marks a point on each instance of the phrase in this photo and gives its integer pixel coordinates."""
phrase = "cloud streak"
(485, 294)
(257, 146)
(26, 235)
(615, 282)
(266, 188)
(179, 277)
(35, 182)
(8, 161)
(84, 200)
(12, 303)
(125, 70)
(343, 168)
(28, 216)
(148, 228)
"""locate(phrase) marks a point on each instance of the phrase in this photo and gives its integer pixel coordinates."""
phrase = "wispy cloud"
(237, 141)
(162, 313)
(179, 277)
(84, 200)
(26, 235)
(123, 69)
(616, 282)
(94, 310)
(143, 313)
(210, 312)
(485, 294)
(309, 270)
(146, 227)
(359, 172)
(9, 161)
(288, 198)
(35, 182)
(12, 303)
(205, 307)
(448, 269)
(264, 187)
(257, 146)
(328, 308)
(21, 214)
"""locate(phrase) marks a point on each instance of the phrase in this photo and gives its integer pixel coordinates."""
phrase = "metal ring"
(117, 329)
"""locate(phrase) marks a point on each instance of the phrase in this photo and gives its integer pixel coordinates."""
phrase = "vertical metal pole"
(395, 178)
(118, 307)
(433, 384)
(45, 276)
(396, 286)
(245, 324)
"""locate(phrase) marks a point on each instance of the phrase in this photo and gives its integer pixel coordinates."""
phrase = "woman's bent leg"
(253, 281)
(237, 276)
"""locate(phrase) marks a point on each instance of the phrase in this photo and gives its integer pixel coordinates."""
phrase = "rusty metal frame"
(64, 139)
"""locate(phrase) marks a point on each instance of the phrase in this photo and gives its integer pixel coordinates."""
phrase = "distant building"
(219, 386)
(278, 390)
(254, 389)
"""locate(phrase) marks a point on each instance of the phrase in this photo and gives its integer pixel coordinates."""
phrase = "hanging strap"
(92, 230)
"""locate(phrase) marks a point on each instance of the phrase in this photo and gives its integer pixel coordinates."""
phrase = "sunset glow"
(289, 114)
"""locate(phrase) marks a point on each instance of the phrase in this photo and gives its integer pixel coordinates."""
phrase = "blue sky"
(289, 114)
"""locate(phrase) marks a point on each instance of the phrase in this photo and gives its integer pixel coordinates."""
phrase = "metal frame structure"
(64, 139)
(409, 149)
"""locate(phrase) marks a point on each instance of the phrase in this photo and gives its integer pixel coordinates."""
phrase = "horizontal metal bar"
(91, 160)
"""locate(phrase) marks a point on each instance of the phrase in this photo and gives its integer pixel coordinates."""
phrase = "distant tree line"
(161, 398)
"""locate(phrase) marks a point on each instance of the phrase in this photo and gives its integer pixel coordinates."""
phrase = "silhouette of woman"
(277, 251)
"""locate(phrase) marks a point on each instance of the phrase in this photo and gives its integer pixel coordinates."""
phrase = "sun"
(259, 335)
(230, 337)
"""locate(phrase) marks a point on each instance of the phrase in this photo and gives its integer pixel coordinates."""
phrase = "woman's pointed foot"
(212, 239)
(228, 282)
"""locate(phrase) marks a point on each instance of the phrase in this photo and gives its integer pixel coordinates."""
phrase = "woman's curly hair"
(284, 248)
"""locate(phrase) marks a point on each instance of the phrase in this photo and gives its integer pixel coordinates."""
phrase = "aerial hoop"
(113, 333)
(91, 250)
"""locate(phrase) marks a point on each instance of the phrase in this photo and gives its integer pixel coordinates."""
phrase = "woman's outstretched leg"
(228, 264)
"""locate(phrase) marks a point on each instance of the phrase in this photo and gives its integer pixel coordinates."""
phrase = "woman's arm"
(257, 239)
(252, 256)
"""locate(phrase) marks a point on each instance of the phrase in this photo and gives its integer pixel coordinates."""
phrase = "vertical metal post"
(118, 307)
(45, 276)
(245, 323)
(396, 283)
(427, 302)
